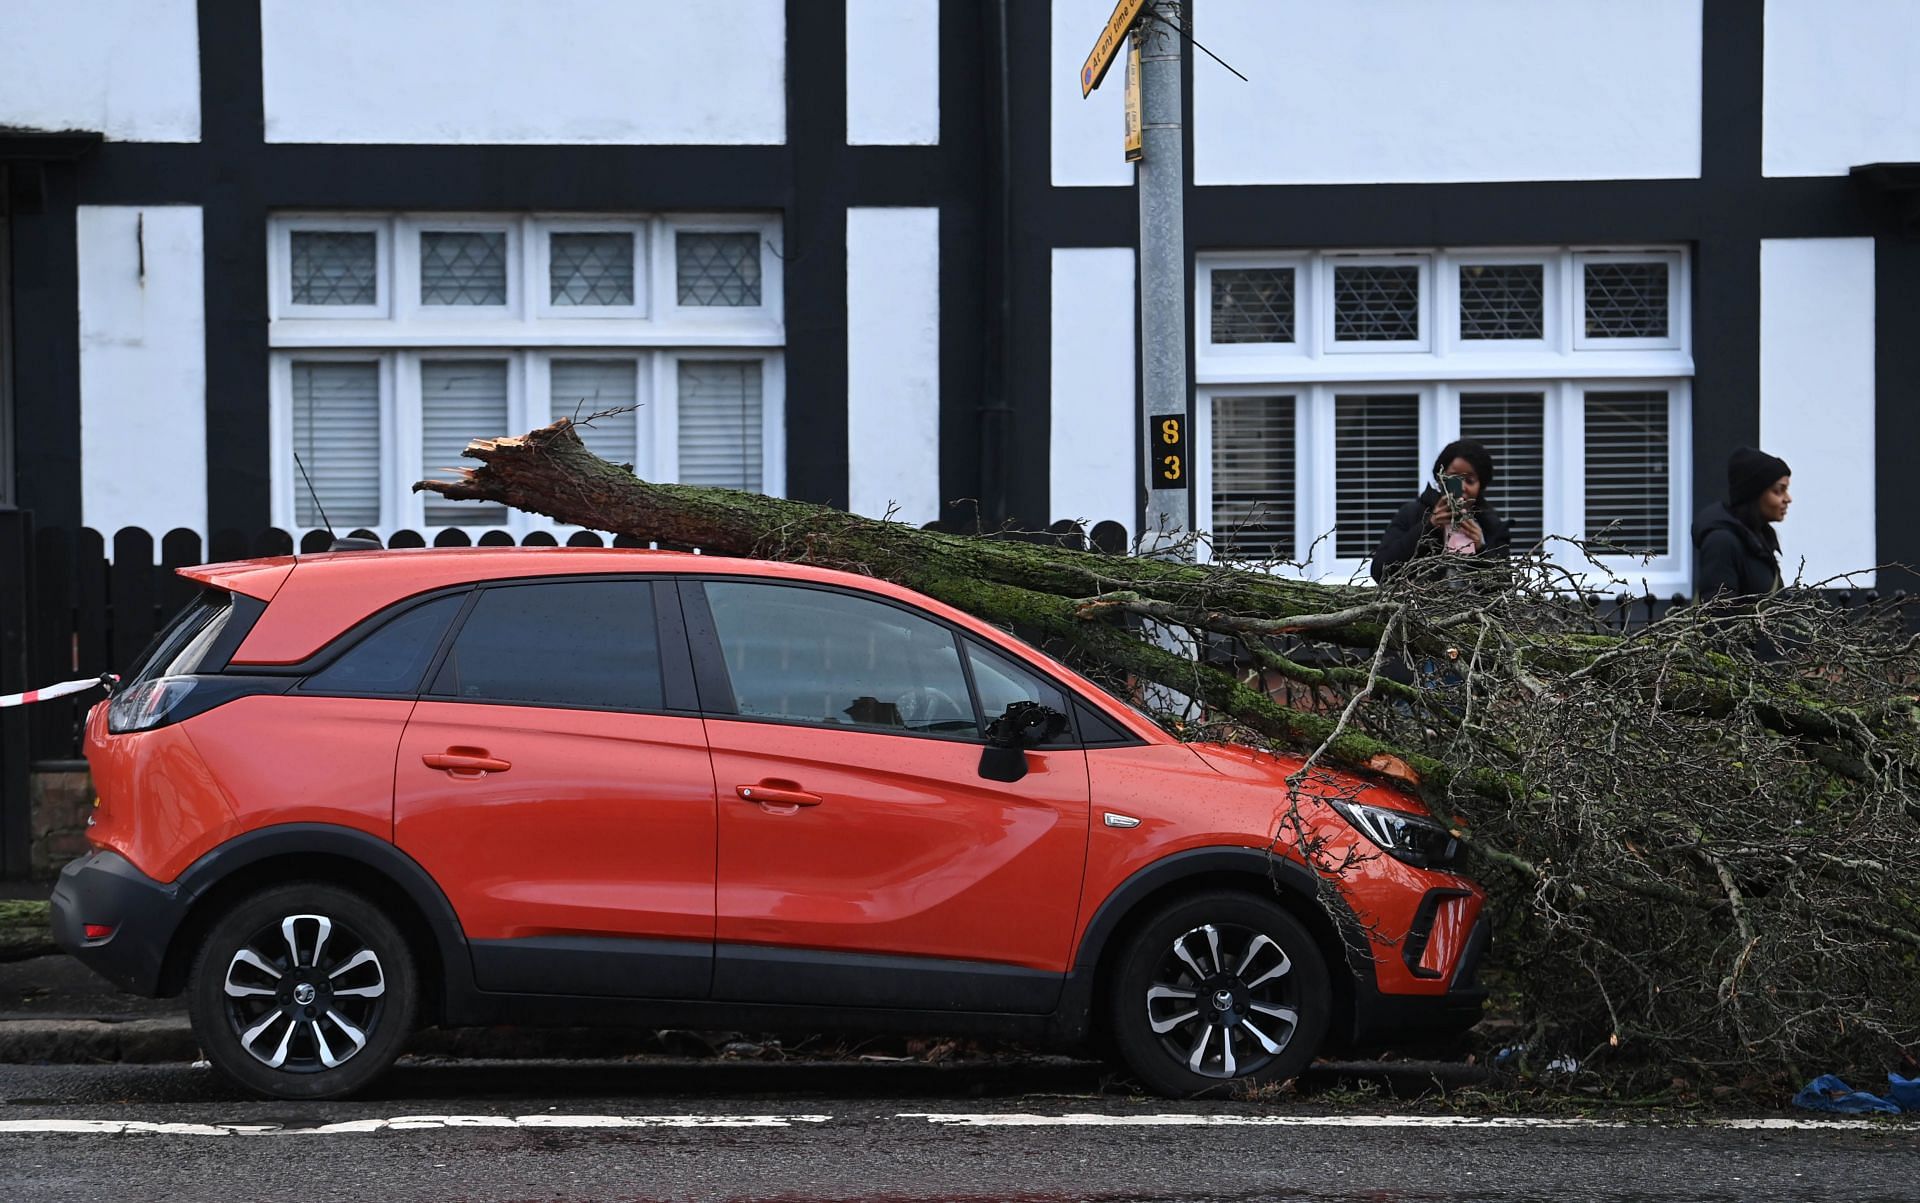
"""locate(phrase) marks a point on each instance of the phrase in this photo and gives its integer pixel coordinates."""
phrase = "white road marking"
(416, 1123)
(404, 1123)
(1232, 1120)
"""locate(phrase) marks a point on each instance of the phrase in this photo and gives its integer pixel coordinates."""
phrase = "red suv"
(346, 794)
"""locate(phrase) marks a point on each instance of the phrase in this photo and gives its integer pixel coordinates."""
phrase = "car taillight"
(99, 931)
(147, 705)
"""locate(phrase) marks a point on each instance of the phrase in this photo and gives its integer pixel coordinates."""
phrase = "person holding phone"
(1452, 516)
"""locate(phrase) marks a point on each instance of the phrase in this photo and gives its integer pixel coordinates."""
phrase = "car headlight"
(1415, 839)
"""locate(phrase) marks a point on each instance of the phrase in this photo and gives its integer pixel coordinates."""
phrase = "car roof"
(315, 598)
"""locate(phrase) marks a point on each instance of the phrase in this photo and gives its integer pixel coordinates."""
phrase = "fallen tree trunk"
(1701, 847)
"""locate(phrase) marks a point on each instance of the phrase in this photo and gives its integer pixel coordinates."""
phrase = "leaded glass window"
(334, 267)
(1253, 305)
(1376, 458)
(1499, 301)
(1376, 303)
(717, 268)
(591, 269)
(1627, 455)
(1253, 493)
(1626, 300)
(463, 267)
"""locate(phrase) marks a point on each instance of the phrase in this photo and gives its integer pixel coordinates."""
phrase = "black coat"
(1410, 536)
(1731, 559)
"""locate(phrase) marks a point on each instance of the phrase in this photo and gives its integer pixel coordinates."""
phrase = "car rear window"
(181, 646)
(559, 643)
(392, 658)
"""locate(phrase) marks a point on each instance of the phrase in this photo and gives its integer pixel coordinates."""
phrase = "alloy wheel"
(1221, 1000)
(304, 994)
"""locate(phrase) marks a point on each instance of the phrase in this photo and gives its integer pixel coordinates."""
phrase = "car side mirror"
(1024, 725)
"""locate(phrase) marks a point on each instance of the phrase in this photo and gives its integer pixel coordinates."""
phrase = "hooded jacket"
(1731, 560)
(1409, 536)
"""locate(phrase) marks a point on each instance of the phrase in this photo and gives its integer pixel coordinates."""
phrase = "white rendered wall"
(129, 69)
(1414, 91)
(502, 71)
(893, 72)
(1095, 413)
(1842, 86)
(1089, 134)
(893, 363)
(143, 369)
(1817, 398)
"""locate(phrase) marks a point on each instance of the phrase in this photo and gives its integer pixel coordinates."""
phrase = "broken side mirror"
(1024, 725)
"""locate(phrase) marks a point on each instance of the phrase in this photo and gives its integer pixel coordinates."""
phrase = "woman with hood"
(1737, 551)
(1455, 519)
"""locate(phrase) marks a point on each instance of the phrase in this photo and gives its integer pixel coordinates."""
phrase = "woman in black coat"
(1737, 551)
(1429, 526)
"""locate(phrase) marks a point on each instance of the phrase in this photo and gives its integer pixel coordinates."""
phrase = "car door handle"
(466, 762)
(774, 795)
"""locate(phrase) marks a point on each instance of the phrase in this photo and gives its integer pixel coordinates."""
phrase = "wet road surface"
(505, 1131)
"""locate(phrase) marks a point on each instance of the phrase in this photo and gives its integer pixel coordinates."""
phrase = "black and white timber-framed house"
(881, 253)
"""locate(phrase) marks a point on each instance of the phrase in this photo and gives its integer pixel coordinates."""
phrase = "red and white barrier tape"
(55, 691)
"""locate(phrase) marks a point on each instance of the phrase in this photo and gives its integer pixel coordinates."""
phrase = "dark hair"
(1474, 453)
(1748, 512)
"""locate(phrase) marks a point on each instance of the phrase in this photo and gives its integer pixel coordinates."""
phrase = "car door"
(862, 857)
(554, 779)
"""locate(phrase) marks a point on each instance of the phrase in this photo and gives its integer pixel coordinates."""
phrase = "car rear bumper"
(105, 888)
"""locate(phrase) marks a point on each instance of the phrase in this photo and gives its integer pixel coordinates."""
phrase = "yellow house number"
(1170, 452)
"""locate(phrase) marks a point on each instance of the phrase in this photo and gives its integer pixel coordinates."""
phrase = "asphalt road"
(501, 1131)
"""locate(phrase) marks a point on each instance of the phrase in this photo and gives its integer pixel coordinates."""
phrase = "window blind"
(720, 423)
(336, 434)
(1627, 480)
(1512, 427)
(460, 400)
(583, 387)
(1253, 478)
(1376, 455)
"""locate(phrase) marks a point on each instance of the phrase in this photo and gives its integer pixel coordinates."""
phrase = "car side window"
(815, 656)
(391, 659)
(589, 644)
(1001, 682)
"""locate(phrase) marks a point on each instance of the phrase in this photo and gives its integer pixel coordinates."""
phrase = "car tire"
(1217, 989)
(303, 991)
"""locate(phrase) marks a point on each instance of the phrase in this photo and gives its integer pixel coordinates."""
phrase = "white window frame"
(1560, 365)
(410, 308)
(1679, 314)
(1305, 317)
(539, 266)
(529, 332)
(409, 423)
(1302, 461)
(288, 485)
(280, 267)
(1330, 343)
(1555, 333)
(540, 408)
(666, 273)
(773, 408)
(1660, 575)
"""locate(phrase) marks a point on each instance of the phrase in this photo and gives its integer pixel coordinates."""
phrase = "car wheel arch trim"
(219, 865)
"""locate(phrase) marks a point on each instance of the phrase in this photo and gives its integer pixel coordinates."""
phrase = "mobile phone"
(1456, 489)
